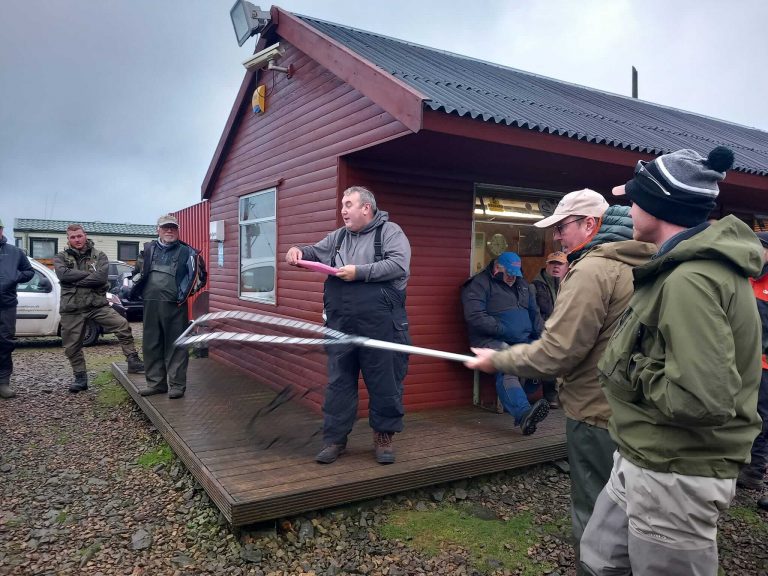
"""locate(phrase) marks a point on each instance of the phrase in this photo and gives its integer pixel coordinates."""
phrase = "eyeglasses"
(169, 227)
(561, 227)
(641, 170)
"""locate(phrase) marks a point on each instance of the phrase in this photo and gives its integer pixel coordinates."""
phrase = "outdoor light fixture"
(248, 20)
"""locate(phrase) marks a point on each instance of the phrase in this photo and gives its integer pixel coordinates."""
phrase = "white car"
(37, 313)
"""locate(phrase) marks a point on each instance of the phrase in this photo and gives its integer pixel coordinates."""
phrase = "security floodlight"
(247, 20)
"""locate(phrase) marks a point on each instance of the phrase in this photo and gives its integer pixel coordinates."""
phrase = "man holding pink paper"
(365, 297)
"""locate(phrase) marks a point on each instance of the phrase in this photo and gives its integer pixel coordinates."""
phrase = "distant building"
(42, 239)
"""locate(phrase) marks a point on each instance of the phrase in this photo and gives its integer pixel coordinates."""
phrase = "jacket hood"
(630, 252)
(616, 226)
(728, 240)
(378, 220)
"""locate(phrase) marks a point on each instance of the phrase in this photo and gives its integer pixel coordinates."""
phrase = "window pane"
(127, 250)
(257, 206)
(42, 248)
(38, 283)
(258, 279)
(257, 240)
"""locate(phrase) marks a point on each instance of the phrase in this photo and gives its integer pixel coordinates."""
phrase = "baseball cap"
(511, 262)
(557, 257)
(167, 219)
(580, 203)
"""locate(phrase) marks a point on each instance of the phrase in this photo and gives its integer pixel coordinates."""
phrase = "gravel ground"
(74, 500)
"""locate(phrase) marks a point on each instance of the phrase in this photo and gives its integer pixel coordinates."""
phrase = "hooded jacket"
(593, 296)
(14, 269)
(545, 287)
(357, 248)
(682, 370)
(497, 312)
(84, 278)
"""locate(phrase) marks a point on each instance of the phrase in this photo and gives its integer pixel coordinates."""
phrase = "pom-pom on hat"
(680, 187)
(511, 262)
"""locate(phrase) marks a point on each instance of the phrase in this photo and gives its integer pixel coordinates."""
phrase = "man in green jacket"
(681, 374)
(83, 274)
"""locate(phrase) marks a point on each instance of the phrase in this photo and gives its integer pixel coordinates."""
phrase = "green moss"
(750, 517)
(160, 455)
(61, 517)
(109, 392)
(488, 541)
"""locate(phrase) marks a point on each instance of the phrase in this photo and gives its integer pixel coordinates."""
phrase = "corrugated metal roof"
(465, 86)
(60, 226)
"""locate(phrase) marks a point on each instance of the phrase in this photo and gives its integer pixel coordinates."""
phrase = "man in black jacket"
(14, 269)
(167, 273)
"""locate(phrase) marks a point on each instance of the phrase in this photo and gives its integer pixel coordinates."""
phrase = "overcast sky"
(111, 110)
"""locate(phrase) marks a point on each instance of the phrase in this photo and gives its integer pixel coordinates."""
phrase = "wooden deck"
(263, 468)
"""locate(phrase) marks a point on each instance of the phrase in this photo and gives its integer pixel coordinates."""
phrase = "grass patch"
(160, 455)
(489, 542)
(109, 392)
(750, 517)
(61, 517)
(62, 438)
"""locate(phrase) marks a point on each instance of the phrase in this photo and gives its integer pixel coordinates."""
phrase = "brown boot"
(382, 443)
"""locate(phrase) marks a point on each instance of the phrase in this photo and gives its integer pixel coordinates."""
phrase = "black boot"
(135, 365)
(80, 384)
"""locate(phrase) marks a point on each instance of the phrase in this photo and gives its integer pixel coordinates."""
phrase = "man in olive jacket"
(592, 298)
(681, 374)
(83, 274)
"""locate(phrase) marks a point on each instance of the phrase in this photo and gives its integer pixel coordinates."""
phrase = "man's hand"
(482, 360)
(293, 255)
(346, 273)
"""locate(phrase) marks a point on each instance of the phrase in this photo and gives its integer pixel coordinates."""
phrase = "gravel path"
(74, 500)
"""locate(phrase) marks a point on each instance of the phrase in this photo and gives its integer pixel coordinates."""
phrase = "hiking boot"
(554, 403)
(152, 390)
(6, 392)
(536, 414)
(750, 480)
(329, 453)
(80, 384)
(174, 393)
(382, 443)
(762, 502)
(135, 365)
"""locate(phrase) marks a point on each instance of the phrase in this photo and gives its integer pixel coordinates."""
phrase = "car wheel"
(91, 334)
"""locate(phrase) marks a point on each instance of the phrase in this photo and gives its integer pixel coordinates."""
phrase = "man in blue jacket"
(500, 310)
(14, 269)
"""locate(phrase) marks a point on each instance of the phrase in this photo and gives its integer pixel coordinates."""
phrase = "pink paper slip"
(317, 267)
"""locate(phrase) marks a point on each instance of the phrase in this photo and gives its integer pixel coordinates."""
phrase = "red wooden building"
(465, 155)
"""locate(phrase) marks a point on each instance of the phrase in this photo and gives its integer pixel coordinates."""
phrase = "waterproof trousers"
(374, 310)
(590, 457)
(73, 331)
(165, 365)
(7, 342)
(649, 523)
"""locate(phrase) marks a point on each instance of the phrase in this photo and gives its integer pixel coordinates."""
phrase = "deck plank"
(214, 432)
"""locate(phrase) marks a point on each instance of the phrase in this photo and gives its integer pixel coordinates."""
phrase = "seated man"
(500, 309)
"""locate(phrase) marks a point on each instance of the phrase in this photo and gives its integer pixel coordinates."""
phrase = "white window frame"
(251, 297)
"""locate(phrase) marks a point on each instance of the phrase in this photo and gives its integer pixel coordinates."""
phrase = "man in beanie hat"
(15, 269)
(597, 239)
(546, 285)
(168, 271)
(681, 374)
(500, 309)
(752, 477)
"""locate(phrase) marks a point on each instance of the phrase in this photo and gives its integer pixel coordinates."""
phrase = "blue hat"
(511, 262)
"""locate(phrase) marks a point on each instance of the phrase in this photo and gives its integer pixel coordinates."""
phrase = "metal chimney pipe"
(634, 82)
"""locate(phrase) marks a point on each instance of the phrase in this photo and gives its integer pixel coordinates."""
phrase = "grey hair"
(366, 196)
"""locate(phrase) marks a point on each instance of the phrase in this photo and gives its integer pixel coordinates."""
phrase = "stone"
(141, 540)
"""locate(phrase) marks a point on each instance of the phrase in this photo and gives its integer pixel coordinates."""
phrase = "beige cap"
(167, 219)
(580, 203)
(557, 257)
